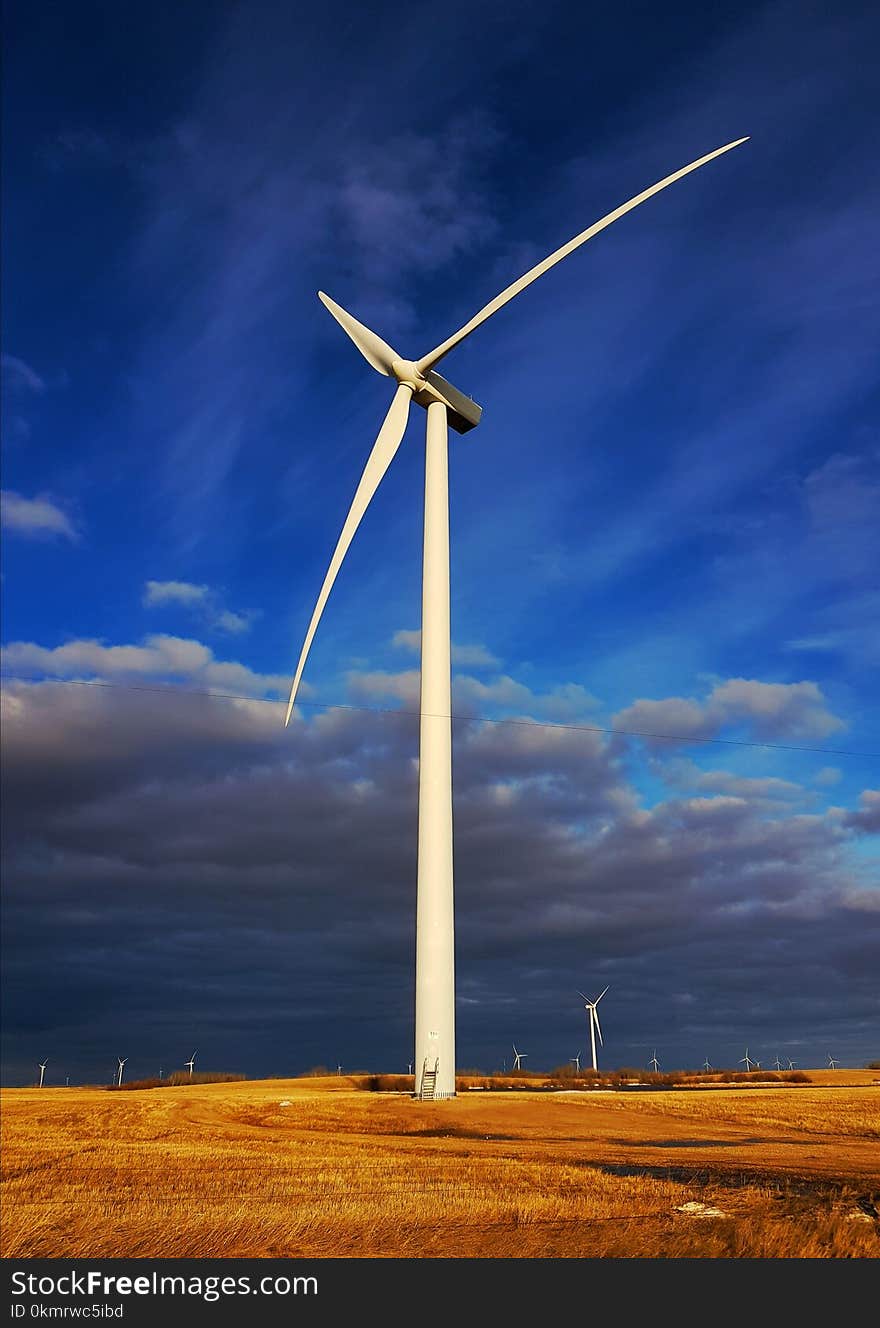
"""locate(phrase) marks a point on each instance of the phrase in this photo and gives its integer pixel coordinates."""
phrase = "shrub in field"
(177, 1078)
(138, 1083)
(387, 1083)
(202, 1077)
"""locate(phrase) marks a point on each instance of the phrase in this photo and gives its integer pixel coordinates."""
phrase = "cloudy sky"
(666, 524)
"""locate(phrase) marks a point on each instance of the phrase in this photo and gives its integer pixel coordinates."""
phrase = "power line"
(464, 719)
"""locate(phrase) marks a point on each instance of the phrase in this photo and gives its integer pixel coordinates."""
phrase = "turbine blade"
(384, 448)
(374, 350)
(599, 997)
(598, 1028)
(436, 355)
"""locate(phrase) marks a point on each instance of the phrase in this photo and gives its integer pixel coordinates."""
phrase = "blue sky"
(665, 523)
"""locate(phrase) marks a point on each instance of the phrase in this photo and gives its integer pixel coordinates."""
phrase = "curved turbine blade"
(598, 1029)
(436, 355)
(380, 459)
(374, 350)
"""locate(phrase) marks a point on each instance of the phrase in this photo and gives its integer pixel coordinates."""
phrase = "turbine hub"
(406, 372)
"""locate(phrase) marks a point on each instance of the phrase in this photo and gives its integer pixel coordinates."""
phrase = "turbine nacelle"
(425, 385)
(462, 413)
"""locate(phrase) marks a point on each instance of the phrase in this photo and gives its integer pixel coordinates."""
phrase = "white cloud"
(159, 657)
(36, 517)
(473, 656)
(202, 599)
(408, 641)
(794, 709)
(380, 685)
(471, 697)
(829, 774)
(867, 818)
(227, 621)
(20, 375)
(173, 592)
(822, 643)
(767, 710)
(685, 774)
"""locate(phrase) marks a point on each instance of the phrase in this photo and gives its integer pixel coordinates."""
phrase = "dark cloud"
(181, 869)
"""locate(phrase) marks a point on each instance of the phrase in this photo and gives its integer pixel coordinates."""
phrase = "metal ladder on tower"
(429, 1081)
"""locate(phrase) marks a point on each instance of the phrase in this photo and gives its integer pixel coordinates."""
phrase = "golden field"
(226, 1170)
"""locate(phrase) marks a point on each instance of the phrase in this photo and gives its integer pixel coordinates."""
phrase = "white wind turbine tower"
(778, 1063)
(518, 1058)
(121, 1061)
(42, 1067)
(593, 1019)
(654, 1063)
(746, 1061)
(832, 1063)
(576, 1062)
(190, 1063)
(418, 381)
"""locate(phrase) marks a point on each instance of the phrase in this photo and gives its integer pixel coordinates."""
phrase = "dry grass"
(224, 1170)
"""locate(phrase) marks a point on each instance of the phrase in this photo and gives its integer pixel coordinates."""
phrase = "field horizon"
(323, 1167)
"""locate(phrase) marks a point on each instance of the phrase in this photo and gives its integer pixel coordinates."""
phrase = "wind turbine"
(778, 1063)
(190, 1063)
(791, 1063)
(121, 1061)
(832, 1063)
(518, 1058)
(445, 405)
(706, 1066)
(745, 1060)
(654, 1063)
(576, 1062)
(42, 1065)
(593, 1018)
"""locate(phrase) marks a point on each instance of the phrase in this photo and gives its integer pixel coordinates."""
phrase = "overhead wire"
(456, 718)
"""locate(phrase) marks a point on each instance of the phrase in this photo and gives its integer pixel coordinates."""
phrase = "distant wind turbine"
(518, 1058)
(791, 1063)
(576, 1062)
(190, 1063)
(778, 1063)
(42, 1065)
(744, 1060)
(654, 1063)
(445, 405)
(593, 1019)
(121, 1061)
(706, 1066)
(832, 1063)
